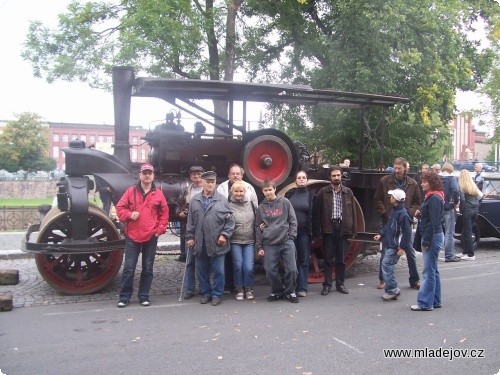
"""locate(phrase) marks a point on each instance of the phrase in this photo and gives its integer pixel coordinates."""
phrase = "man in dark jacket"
(338, 222)
(451, 199)
(210, 225)
(144, 209)
(398, 180)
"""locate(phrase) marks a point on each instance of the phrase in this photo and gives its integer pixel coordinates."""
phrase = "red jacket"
(153, 213)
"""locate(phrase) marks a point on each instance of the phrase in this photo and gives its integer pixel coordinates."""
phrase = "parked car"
(488, 221)
(469, 165)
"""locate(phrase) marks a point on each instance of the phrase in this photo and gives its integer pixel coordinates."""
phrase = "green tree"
(24, 143)
(411, 48)
(418, 49)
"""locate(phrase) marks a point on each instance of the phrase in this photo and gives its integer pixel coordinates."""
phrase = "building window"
(74, 137)
(83, 137)
(100, 139)
(134, 154)
(109, 139)
(55, 137)
(134, 140)
(143, 155)
(92, 138)
(65, 138)
(55, 151)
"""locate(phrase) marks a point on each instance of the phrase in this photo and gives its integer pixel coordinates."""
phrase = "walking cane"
(188, 258)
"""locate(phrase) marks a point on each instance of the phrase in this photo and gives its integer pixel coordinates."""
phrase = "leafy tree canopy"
(418, 49)
(24, 143)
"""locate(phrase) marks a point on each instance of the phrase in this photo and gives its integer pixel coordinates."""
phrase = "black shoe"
(188, 295)
(205, 299)
(454, 259)
(292, 298)
(122, 303)
(325, 290)
(273, 297)
(342, 289)
(216, 301)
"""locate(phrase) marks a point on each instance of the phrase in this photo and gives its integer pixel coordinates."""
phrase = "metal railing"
(18, 218)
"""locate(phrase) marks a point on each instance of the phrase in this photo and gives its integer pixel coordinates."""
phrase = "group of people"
(224, 227)
(398, 199)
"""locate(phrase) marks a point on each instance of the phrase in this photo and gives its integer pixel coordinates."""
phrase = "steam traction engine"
(79, 249)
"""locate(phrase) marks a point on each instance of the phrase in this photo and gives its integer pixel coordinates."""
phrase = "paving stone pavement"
(32, 290)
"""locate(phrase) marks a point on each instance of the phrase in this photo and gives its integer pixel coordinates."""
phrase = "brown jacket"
(325, 198)
(382, 202)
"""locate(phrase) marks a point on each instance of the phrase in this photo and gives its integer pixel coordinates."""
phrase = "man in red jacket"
(144, 209)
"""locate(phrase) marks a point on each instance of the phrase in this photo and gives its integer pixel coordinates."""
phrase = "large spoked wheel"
(78, 273)
(316, 276)
(268, 153)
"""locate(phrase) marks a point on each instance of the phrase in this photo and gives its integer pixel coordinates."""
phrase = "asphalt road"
(322, 334)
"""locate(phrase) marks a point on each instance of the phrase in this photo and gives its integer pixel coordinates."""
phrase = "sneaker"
(381, 285)
(415, 285)
(390, 297)
(273, 297)
(466, 257)
(454, 259)
(240, 296)
(292, 298)
(216, 301)
(302, 293)
(249, 294)
(188, 295)
(461, 255)
(145, 302)
(122, 303)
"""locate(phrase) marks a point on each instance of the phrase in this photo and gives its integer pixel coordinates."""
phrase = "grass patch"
(17, 202)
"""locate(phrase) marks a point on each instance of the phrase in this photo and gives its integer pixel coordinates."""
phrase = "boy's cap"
(147, 167)
(398, 194)
(195, 168)
(209, 175)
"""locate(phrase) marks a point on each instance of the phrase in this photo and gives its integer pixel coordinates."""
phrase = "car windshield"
(491, 188)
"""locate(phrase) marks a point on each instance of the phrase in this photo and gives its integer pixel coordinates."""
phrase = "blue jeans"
(132, 250)
(388, 269)
(411, 259)
(205, 266)
(189, 277)
(449, 240)
(284, 251)
(303, 247)
(467, 245)
(243, 257)
(429, 295)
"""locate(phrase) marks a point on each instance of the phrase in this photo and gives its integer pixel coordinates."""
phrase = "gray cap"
(195, 168)
(209, 175)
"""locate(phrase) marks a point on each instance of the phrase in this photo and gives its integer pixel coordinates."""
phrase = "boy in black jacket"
(396, 238)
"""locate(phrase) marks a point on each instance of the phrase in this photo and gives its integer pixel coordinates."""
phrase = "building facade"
(100, 137)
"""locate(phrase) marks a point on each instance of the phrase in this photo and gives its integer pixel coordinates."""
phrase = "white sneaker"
(466, 257)
(460, 255)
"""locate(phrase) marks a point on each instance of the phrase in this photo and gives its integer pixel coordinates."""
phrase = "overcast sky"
(66, 101)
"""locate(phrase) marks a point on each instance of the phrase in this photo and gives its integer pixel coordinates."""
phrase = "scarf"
(436, 192)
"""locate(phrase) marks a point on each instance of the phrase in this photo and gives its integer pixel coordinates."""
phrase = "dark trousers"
(334, 245)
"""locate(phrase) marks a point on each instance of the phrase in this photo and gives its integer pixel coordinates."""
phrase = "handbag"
(417, 240)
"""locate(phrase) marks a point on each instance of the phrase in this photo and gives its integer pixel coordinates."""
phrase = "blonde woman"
(242, 241)
(469, 208)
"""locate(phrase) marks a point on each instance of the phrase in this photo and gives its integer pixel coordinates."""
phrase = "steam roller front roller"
(79, 273)
(268, 153)
(354, 247)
